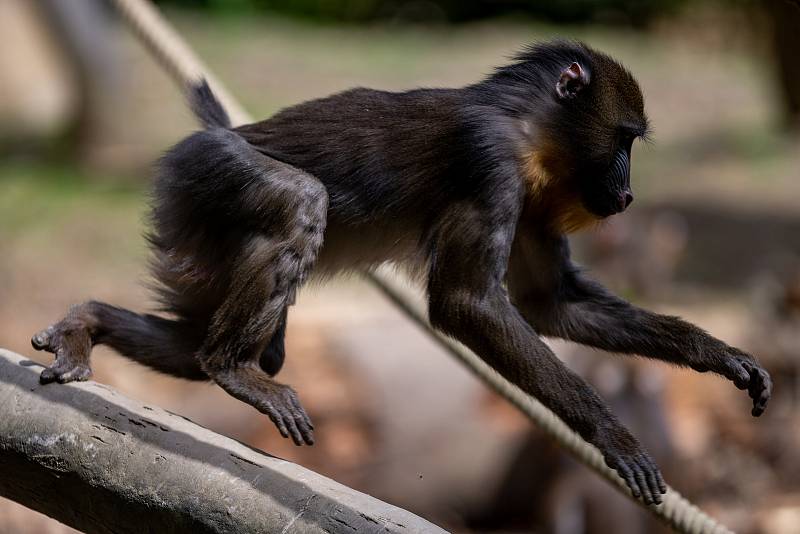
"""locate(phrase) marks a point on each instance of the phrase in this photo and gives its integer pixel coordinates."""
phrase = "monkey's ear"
(572, 80)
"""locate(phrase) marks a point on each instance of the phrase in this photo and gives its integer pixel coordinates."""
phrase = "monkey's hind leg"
(246, 324)
(165, 345)
(244, 344)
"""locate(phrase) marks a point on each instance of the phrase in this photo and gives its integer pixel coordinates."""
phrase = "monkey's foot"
(283, 408)
(71, 344)
(746, 373)
(623, 454)
(278, 401)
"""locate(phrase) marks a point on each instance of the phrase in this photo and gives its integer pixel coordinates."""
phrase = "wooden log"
(98, 461)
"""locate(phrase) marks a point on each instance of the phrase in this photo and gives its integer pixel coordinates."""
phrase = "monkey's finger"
(627, 475)
(756, 390)
(763, 400)
(651, 472)
(662, 486)
(647, 497)
(308, 421)
(738, 374)
(761, 391)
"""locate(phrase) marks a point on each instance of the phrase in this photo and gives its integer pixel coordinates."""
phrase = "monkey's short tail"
(206, 107)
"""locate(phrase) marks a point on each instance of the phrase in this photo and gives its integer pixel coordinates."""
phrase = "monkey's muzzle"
(618, 183)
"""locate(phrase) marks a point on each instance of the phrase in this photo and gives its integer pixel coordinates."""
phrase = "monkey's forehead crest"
(542, 62)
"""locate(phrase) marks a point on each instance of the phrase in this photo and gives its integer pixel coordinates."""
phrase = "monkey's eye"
(626, 139)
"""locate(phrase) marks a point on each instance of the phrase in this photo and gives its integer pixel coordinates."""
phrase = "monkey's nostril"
(623, 201)
(628, 198)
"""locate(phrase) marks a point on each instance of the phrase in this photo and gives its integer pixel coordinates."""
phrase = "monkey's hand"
(623, 453)
(745, 372)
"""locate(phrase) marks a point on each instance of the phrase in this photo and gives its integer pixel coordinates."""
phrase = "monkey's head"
(581, 113)
(599, 113)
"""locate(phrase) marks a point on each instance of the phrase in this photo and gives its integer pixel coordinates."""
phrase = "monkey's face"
(600, 116)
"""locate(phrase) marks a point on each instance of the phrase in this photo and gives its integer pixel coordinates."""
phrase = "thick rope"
(177, 58)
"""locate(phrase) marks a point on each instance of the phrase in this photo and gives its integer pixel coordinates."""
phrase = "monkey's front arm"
(563, 303)
(469, 302)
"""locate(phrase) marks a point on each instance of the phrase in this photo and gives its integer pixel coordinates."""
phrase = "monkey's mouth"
(604, 211)
(612, 204)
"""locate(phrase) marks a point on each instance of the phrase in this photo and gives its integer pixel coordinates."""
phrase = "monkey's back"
(378, 153)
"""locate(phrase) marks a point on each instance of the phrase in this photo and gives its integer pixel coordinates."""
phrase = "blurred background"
(714, 236)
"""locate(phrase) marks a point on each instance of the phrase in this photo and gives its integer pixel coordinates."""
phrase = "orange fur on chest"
(550, 198)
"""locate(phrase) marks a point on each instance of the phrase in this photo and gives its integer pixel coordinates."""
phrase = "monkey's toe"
(285, 411)
(65, 371)
(41, 340)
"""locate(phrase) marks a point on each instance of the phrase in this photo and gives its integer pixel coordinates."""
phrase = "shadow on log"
(101, 462)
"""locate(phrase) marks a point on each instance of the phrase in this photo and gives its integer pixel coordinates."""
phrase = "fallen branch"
(98, 461)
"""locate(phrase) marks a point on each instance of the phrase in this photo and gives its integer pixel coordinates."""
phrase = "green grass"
(58, 209)
(41, 194)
